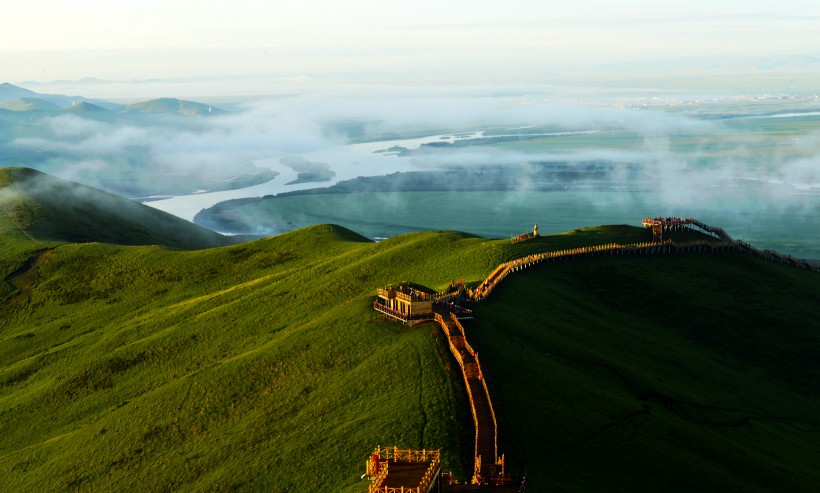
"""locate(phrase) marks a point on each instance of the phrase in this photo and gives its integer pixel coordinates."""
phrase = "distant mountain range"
(17, 98)
(10, 92)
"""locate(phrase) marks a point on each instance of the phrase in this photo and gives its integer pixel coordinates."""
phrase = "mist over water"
(751, 167)
(757, 175)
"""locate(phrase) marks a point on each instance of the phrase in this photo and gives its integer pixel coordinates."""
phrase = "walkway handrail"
(503, 269)
(429, 475)
(725, 241)
(464, 334)
(406, 455)
(399, 315)
(375, 486)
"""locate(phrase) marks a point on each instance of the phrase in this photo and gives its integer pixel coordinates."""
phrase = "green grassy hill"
(51, 209)
(262, 366)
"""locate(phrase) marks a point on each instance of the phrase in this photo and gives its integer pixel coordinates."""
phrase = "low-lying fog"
(314, 141)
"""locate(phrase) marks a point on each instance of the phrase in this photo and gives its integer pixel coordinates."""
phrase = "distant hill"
(51, 209)
(85, 107)
(173, 106)
(29, 104)
(10, 92)
(20, 99)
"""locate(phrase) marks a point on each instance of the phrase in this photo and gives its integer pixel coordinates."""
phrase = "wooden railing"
(448, 295)
(500, 272)
(401, 316)
(467, 345)
(381, 475)
(457, 353)
(450, 341)
(773, 256)
(430, 475)
(395, 454)
(406, 455)
(667, 246)
(719, 232)
(453, 308)
(492, 413)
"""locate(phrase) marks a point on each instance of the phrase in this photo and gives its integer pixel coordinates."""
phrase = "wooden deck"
(405, 474)
(394, 470)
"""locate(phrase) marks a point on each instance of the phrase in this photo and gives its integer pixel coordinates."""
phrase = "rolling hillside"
(51, 209)
(262, 366)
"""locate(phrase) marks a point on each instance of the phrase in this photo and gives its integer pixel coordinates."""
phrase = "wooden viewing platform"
(409, 304)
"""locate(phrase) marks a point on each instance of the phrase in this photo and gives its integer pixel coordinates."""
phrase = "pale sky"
(45, 40)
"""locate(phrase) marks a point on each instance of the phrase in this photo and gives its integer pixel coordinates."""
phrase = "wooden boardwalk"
(487, 463)
(722, 242)
(489, 466)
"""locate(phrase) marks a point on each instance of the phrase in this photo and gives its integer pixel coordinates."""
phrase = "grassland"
(261, 366)
(252, 366)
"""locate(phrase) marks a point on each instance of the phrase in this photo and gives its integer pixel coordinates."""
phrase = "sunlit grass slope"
(678, 373)
(260, 365)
